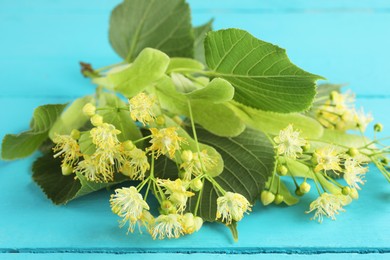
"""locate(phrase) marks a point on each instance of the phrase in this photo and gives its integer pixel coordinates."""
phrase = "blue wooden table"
(41, 43)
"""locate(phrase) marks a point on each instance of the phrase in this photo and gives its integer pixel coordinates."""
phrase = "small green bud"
(178, 120)
(160, 120)
(75, 134)
(128, 145)
(298, 192)
(97, 120)
(306, 147)
(187, 155)
(278, 199)
(267, 197)
(378, 127)
(89, 109)
(354, 194)
(353, 152)
(304, 187)
(184, 175)
(346, 190)
(196, 184)
(282, 170)
(66, 169)
(167, 207)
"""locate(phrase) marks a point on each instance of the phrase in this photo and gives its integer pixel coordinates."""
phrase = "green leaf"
(16, 146)
(217, 91)
(272, 123)
(341, 138)
(71, 118)
(86, 144)
(163, 25)
(183, 64)
(149, 67)
(118, 117)
(222, 121)
(262, 74)
(62, 189)
(200, 34)
(288, 198)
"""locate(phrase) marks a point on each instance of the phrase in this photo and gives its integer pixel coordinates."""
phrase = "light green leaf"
(71, 118)
(262, 74)
(335, 137)
(86, 144)
(16, 146)
(288, 198)
(183, 64)
(175, 102)
(149, 67)
(200, 34)
(217, 91)
(118, 117)
(163, 25)
(272, 123)
(62, 189)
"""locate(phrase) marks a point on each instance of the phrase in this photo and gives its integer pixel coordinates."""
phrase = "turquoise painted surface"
(41, 44)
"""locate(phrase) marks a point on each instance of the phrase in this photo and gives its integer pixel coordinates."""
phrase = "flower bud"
(187, 155)
(346, 190)
(304, 187)
(306, 147)
(89, 109)
(267, 197)
(167, 207)
(75, 134)
(333, 95)
(354, 194)
(160, 120)
(378, 127)
(178, 120)
(278, 199)
(128, 145)
(184, 175)
(198, 222)
(196, 184)
(282, 170)
(97, 120)
(66, 169)
(353, 152)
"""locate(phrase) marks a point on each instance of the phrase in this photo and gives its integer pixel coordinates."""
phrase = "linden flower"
(354, 172)
(177, 192)
(327, 205)
(342, 101)
(190, 223)
(128, 204)
(67, 147)
(362, 119)
(136, 165)
(193, 162)
(167, 226)
(104, 136)
(327, 158)
(289, 142)
(141, 108)
(232, 206)
(165, 141)
(94, 169)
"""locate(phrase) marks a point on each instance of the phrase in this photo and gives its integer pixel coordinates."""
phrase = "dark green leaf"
(262, 74)
(24, 144)
(62, 189)
(163, 25)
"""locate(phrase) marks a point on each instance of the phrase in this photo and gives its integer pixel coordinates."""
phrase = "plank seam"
(231, 251)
